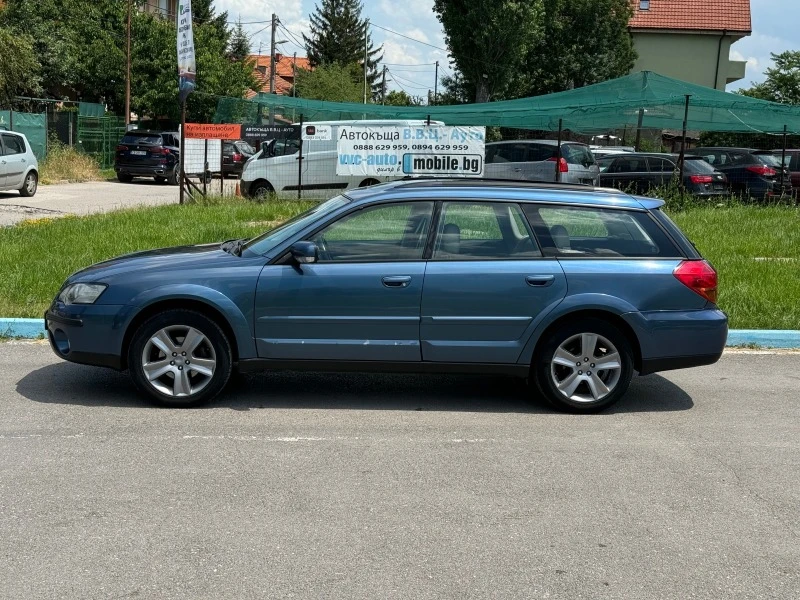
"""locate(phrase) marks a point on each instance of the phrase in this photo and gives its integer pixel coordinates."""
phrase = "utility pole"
(272, 55)
(436, 85)
(272, 67)
(128, 72)
(294, 74)
(383, 86)
(366, 36)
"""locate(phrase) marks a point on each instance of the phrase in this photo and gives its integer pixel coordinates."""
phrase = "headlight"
(81, 293)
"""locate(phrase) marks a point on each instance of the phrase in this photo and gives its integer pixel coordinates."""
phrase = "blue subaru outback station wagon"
(572, 287)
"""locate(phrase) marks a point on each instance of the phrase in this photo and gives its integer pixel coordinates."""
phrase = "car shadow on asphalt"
(67, 383)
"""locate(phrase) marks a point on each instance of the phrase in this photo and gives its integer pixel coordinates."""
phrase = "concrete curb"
(766, 338)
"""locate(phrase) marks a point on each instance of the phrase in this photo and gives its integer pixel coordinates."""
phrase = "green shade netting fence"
(32, 125)
(614, 104)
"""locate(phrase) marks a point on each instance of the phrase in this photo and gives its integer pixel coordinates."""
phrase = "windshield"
(768, 159)
(142, 138)
(266, 241)
(577, 154)
(698, 165)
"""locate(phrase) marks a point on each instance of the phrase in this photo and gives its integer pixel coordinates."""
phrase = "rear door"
(509, 160)
(486, 285)
(628, 173)
(16, 160)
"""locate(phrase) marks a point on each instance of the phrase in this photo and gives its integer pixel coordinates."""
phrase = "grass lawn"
(36, 256)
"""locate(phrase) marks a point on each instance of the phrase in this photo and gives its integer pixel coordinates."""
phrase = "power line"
(411, 84)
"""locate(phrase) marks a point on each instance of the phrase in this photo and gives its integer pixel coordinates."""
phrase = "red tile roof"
(707, 15)
(284, 79)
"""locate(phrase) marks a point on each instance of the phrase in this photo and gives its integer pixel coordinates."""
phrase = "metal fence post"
(300, 163)
(205, 168)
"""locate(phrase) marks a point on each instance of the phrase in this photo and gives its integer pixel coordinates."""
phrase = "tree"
(19, 69)
(402, 98)
(584, 42)
(783, 80)
(239, 47)
(489, 39)
(333, 82)
(337, 37)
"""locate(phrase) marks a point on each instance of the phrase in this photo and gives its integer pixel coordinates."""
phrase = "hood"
(180, 257)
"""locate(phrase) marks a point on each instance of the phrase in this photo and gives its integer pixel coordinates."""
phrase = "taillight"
(762, 170)
(237, 157)
(563, 167)
(121, 148)
(159, 150)
(701, 179)
(698, 276)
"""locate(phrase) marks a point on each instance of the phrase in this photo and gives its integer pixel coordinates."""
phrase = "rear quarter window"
(579, 232)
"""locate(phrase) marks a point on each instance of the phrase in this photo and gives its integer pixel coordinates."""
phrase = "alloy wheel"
(586, 368)
(179, 361)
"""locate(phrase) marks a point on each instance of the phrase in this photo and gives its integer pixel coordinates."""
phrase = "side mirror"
(304, 252)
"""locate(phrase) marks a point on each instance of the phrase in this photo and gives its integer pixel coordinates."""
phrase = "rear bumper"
(679, 339)
(151, 170)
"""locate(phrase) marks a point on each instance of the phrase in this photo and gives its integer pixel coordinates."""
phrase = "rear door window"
(14, 144)
(577, 232)
(660, 165)
(629, 165)
(511, 153)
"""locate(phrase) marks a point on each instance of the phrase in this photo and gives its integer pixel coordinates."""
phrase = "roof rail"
(493, 182)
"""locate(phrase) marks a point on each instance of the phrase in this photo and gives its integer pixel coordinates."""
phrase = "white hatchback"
(19, 169)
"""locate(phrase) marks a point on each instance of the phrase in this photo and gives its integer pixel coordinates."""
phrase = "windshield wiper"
(233, 246)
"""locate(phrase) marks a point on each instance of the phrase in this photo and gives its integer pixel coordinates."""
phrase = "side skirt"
(368, 366)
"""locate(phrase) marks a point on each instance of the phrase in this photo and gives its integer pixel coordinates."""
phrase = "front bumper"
(88, 334)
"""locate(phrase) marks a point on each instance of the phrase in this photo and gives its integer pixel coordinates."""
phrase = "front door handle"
(540, 280)
(396, 281)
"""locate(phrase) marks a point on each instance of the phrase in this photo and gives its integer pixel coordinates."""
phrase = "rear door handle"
(396, 281)
(540, 280)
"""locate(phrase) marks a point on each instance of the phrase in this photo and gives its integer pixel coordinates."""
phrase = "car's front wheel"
(180, 358)
(584, 366)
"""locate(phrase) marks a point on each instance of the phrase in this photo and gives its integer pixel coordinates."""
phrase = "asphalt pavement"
(98, 196)
(387, 486)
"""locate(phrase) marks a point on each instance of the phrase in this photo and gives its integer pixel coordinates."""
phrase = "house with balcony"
(166, 8)
(286, 68)
(690, 39)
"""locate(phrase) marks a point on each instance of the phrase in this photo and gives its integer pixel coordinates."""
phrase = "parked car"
(234, 154)
(19, 169)
(436, 276)
(793, 164)
(274, 168)
(641, 172)
(602, 152)
(754, 173)
(537, 160)
(153, 154)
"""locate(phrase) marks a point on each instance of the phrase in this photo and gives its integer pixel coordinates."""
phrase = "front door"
(485, 285)
(360, 300)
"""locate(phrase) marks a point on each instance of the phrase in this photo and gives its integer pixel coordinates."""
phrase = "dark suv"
(754, 173)
(639, 173)
(234, 154)
(153, 154)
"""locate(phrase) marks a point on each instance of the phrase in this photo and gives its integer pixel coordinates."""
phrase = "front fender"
(570, 304)
(242, 328)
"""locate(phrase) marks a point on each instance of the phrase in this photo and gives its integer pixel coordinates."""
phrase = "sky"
(410, 63)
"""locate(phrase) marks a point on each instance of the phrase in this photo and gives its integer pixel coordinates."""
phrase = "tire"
(30, 185)
(160, 179)
(174, 177)
(158, 343)
(261, 190)
(124, 177)
(556, 362)
(368, 182)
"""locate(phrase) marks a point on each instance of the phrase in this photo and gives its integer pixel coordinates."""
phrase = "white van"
(275, 167)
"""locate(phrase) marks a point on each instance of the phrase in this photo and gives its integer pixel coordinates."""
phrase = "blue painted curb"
(766, 338)
(22, 328)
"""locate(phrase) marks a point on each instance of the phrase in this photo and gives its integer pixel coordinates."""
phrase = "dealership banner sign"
(187, 71)
(399, 151)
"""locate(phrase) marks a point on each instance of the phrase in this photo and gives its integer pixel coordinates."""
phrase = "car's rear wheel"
(180, 358)
(584, 366)
(174, 176)
(30, 185)
(124, 177)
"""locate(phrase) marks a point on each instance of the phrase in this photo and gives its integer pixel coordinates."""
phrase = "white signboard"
(187, 71)
(407, 151)
(321, 133)
(195, 156)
